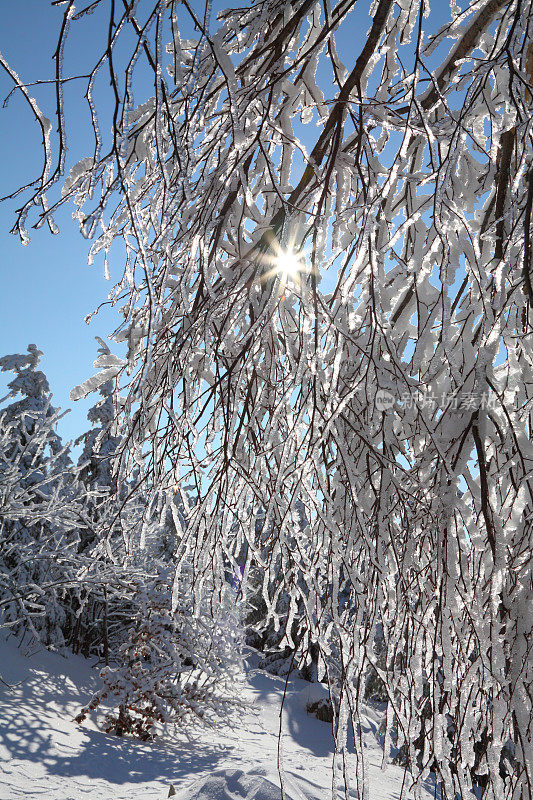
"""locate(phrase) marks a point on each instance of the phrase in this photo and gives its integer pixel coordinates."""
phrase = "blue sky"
(47, 288)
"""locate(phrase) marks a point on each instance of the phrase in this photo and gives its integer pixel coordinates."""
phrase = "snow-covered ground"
(45, 754)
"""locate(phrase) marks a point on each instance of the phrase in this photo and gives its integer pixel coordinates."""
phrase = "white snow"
(45, 754)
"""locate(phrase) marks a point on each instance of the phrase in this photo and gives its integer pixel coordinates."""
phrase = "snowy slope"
(45, 754)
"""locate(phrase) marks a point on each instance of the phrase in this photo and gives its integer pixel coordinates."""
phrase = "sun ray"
(288, 263)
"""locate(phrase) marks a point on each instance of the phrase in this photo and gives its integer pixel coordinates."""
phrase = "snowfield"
(45, 754)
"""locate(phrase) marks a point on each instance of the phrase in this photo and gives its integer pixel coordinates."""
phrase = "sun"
(288, 265)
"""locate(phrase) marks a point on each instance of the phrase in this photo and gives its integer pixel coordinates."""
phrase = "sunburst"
(288, 263)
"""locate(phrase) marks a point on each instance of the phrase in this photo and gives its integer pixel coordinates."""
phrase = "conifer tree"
(39, 506)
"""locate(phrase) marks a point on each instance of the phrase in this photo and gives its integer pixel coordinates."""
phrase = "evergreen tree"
(95, 464)
(111, 524)
(39, 505)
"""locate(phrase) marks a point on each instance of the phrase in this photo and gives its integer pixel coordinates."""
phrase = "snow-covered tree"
(99, 443)
(38, 508)
(337, 318)
(95, 463)
(111, 525)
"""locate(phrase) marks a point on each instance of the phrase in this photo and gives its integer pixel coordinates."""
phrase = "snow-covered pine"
(108, 525)
(95, 461)
(39, 505)
(264, 395)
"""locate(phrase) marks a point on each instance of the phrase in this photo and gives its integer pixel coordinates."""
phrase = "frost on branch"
(109, 365)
